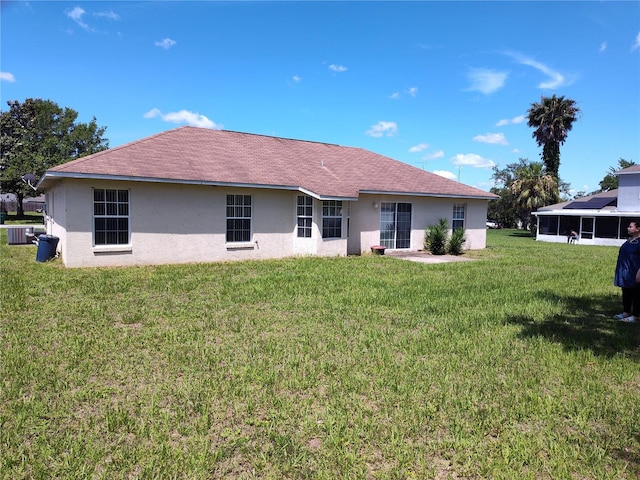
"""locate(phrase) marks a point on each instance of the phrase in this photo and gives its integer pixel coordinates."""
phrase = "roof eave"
(585, 212)
(51, 177)
(488, 196)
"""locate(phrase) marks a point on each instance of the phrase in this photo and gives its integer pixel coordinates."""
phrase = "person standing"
(627, 275)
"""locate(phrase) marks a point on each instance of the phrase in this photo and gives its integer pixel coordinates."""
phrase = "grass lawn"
(28, 218)
(342, 368)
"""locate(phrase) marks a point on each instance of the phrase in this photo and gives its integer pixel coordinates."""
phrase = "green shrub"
(436, 236)
(456, 242)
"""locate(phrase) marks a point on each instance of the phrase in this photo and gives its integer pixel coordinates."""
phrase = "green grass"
(338, 368)
(27, 218)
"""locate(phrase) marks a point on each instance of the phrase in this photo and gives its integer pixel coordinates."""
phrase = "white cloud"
(154, 112)
(514, 120)
(434, 155)
(603, 47)
(486, 81)
(472, 160)
(165, 43)
(382, 128)
(7, 77)
(184, 116)
(418, 148)
(555, 80)
(337, 68)
(636, 44)
(296, 78)
(76, 15)
(446, 174)
(413, 91)
(111, 15)
(492, 138)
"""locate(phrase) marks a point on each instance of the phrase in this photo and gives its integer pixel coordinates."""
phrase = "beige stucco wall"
(365, 220)
(181, 224)
(172, 223)
(55, 216)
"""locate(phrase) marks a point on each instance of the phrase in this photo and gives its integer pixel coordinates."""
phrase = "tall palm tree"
(552, 119)
(532, 188)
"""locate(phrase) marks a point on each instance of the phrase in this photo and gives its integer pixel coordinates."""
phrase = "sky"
(443, 86)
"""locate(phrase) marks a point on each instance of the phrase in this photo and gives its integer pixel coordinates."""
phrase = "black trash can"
(46, 247)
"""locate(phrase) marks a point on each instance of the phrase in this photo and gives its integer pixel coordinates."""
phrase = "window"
(110, 217)
(305, 216)
(458, 216)
(238, 218)
(332, 219)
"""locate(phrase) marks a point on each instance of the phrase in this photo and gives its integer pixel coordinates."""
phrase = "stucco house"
(199, 195)
(599, 219)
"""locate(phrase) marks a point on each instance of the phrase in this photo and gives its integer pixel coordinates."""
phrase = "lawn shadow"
(586, 324)
(521, 234)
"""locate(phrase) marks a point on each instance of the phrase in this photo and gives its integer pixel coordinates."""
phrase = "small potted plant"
(378, 249)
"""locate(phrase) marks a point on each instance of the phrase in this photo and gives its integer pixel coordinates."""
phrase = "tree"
(552, 119)
(610, 181)
(36, 135)
(523, 187)
(532, 188)
(502, 209)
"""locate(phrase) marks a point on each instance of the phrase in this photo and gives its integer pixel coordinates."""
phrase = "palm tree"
(552, 119)
(532, 188)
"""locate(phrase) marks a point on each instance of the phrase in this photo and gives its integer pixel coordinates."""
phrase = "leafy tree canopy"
(523, 188)
(36, 135)
(610, 180)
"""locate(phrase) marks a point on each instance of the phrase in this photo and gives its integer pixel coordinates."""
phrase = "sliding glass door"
(395, 225)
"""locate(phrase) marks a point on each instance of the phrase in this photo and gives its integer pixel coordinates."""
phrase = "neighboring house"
(200, 195)
(599, 219)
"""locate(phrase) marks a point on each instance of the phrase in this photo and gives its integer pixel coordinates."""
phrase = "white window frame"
(459, 216)
(304, 216)
(389, 213)
(109, 211)
(239, 209)
(331, 212)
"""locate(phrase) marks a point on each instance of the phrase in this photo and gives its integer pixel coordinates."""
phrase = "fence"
(11, 206)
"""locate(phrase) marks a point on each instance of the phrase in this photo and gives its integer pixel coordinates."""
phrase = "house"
(200, 195)
(599, 219)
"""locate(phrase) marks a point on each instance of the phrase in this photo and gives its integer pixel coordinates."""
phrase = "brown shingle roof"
(190, 154)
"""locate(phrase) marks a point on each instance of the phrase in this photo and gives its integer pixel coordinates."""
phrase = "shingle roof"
(628, 170)
(199, 155)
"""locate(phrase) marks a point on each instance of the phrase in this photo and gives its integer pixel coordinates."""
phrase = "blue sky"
(443, 86)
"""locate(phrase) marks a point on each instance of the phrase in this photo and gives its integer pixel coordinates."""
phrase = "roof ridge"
(266, 136)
